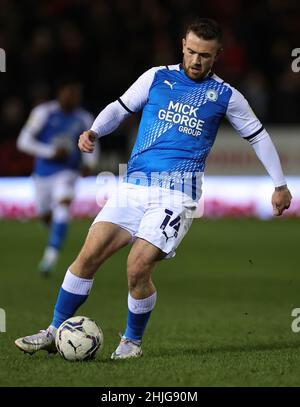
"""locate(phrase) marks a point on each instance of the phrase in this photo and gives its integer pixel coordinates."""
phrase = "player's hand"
(60, 153)
(281, 200)
(86, 141)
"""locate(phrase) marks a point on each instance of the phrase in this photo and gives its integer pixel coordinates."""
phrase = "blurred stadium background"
(108, 44)
(238, 278)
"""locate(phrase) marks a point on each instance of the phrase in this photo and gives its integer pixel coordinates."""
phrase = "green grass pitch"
(223, 316)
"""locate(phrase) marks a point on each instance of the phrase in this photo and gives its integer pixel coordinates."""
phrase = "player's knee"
(137, 271)
(87, 264)
(61, 213)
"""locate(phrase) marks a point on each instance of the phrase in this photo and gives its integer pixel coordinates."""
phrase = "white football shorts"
(159, 215)
(52, 189)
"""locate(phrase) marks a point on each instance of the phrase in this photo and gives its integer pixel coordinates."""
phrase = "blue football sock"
(136, 325)
(66, 306)
(58, 233)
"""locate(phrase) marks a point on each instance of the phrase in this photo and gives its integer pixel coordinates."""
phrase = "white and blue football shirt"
(179, 125)
(48, 128)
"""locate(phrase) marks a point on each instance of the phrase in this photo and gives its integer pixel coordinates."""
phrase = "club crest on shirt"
(211, 95)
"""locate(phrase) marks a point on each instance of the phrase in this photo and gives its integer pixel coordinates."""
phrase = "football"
(79, 338)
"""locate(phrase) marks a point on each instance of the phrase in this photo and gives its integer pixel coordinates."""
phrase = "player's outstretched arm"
(267, 153)
(243, 119)
(108, 120)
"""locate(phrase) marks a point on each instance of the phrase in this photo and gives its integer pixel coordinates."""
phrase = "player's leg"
(42, 197)
(59, 225)
(162, 228)
(43, 202)
(103, 240)
(142, 259)
(113, 228)
(62, 193)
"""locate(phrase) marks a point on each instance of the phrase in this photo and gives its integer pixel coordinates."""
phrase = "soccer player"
(153, 208)
(51, 136)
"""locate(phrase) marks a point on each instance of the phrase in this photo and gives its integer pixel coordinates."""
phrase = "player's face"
(69, 96)
(199, 55)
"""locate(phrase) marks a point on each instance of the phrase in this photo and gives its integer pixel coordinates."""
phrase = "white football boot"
(44, 340)
(128, 348)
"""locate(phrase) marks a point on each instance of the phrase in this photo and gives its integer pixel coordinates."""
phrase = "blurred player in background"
(51, 136)
(183, 106)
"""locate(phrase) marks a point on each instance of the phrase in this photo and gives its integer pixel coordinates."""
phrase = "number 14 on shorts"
(175, 224)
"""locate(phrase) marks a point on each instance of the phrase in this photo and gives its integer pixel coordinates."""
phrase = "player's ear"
(183, 43)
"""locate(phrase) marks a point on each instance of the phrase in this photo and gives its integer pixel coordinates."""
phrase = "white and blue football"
(79, 338)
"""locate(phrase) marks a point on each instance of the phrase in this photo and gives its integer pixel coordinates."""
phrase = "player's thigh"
(103, 239)
(42, 192)
(63, 190)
